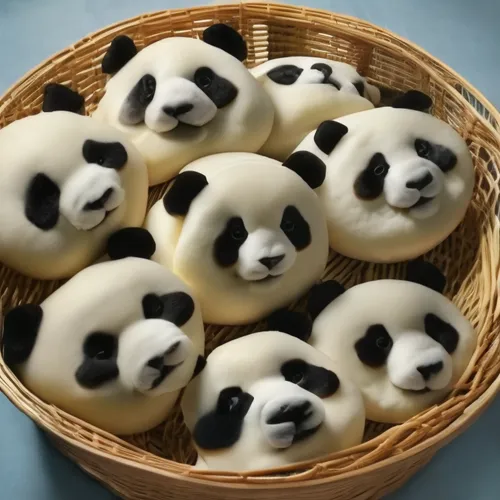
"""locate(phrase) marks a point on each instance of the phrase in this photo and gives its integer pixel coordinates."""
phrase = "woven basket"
(148, 466)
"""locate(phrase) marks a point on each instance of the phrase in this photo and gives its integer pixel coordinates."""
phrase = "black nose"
(271, 262)
(173, 347)
(420, 183)
(99, 204)
(428, 370)
(159, 361)
(293, 412)
(178, 110)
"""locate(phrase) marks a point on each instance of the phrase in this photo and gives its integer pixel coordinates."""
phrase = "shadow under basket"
(156, 465)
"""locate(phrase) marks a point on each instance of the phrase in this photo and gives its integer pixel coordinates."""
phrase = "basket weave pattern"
(148, 466)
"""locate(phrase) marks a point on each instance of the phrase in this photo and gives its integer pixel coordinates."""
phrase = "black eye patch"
(285, 75)
(219, 90)
(221, 428)
(441, 156)
(41, 205)
(138, 100)
(324, 68)
(106, 154)
(320, 381)
(360, 87)
(228, 243)
(442, 332)
(296, 228)
(369, 184)
(99, 365)
(327, 74)
(374, 348)
(176, 307)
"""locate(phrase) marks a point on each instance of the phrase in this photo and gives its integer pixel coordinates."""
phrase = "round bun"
(398, 182)
(113, 346)
(305, 91)
(403, 344)
(267, 400)
(245, 232)
(66, 183)
(180, 99)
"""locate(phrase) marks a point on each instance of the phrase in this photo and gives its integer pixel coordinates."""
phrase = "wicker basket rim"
(122, 24)
(470, 87)
(466, 418)
(469, 413)
(390, 47)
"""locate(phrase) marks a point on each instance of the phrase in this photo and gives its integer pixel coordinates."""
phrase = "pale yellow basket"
(155, 465)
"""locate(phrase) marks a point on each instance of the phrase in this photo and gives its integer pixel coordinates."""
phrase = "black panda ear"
(293, 323)
(20, 331)
(413, 99)
(131, 242)
(226, 38)
(201, 362)
(427, 274)
(321, 295)
(328, 135)
(121, 50)
(57, 97)
(308, 166)
(185, 188)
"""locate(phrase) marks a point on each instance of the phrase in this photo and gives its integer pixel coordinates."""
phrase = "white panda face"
(66, 183)
(112, 346)
(267, 400)
(254, 236)
(172, 90)
(305, 91)
(398, 182)
(404, 345)
(183, 98)
(301, 70)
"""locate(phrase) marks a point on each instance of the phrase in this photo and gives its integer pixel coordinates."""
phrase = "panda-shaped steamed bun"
(401, 341)
(113, 346)
(66, 183)
(267, 400)
(306, 91)
(244, 231)
(398, 181)
(180, 99)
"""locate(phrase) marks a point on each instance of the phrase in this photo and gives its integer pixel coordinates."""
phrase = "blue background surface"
(463, 34)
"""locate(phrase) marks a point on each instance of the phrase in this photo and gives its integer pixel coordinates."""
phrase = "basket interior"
(469, 257)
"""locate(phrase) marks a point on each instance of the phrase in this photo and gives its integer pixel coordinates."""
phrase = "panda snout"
(289, 420)
(152, 356)
(414, 186)
(178, 100)
(418, 363)
(265, 254)
(90, 195)
(273, 265)
(426, 182)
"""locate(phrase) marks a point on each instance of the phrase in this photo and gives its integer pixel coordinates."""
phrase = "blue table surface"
(461, 33)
